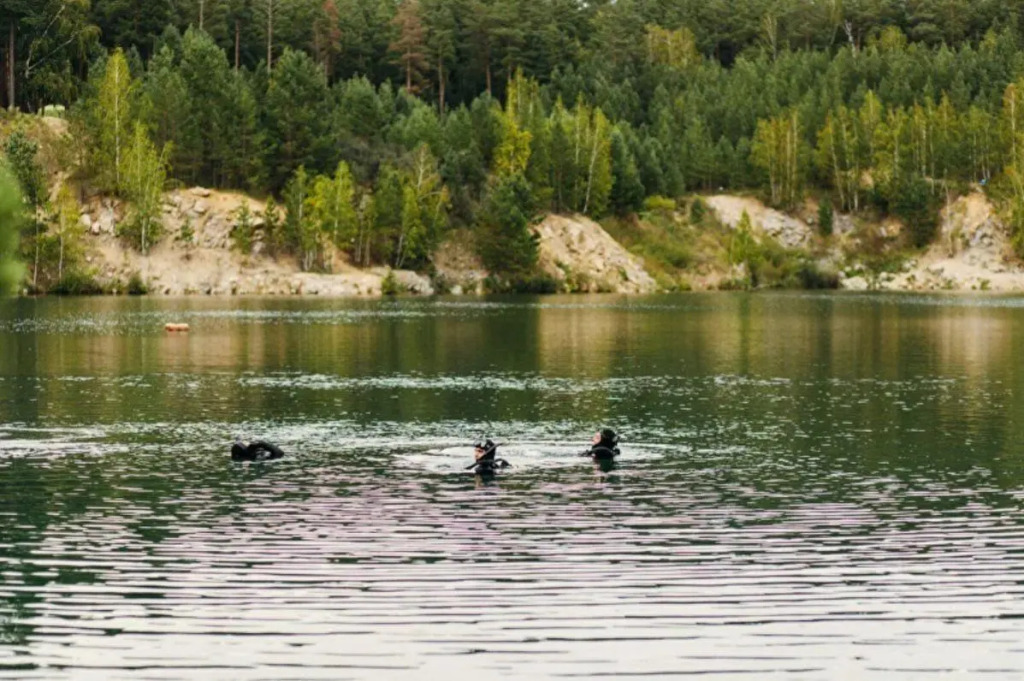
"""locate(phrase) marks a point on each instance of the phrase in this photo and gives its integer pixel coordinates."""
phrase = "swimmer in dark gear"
(486, 462)
(255, 451)
(604, 447)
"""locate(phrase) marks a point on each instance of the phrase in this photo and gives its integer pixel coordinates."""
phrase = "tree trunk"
(10, 65)
(35, 267)
(270, 35)
(238, 42)
(440, 83)
(408, 74)
(202, 13)
(487, 72)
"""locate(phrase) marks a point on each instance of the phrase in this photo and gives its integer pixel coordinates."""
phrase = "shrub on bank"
(389, 285)
(537, 282)
(136, 286)
(77, 283)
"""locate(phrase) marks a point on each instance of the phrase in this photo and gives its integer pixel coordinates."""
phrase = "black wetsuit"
(255, 451)
(603, 452)
(489, 463)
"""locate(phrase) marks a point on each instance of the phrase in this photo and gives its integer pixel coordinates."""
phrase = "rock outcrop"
(971, 253)
(787, 230)
(577, 251)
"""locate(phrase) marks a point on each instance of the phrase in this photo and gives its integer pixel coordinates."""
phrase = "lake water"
(811, 487)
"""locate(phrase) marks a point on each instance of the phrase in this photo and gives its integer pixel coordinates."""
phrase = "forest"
(378, 126)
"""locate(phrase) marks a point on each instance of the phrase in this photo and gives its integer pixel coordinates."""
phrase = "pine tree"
(297, 118)
(507, 246)
(409, 45)
(441, 36)
(627, 193)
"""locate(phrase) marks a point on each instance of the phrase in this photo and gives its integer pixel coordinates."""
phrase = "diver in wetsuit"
(604, 447)
(487, 463)
(255, 451)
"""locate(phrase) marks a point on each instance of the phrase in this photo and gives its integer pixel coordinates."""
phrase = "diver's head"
(606, 437)
(481, 449)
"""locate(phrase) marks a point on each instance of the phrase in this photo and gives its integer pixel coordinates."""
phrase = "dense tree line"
(378, 124)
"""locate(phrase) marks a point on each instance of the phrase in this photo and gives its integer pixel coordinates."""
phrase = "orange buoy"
(171, 327)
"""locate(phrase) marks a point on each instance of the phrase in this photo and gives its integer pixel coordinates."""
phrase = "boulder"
(855, 284)
(107, 221)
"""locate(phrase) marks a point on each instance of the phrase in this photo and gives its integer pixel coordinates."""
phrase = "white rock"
(855, 284)
(106, 221)
(200, 191)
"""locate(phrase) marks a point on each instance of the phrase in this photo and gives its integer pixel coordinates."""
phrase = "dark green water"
(811, 487)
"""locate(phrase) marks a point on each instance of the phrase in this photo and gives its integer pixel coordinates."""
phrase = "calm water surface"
(811, 487)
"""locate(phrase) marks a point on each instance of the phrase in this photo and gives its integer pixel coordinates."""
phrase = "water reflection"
(810, 487)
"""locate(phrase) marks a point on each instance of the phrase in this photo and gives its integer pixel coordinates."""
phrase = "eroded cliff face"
(578, 252)
(196, 255)
(971, 252)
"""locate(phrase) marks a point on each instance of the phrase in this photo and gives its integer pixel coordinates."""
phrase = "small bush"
(813, 276)
(698, 211)
(187, 233)
(659, 204)
(77, 283)
(136, 286)
(441, 283)
(537, 282)
(389, 285)
(826, 218)
(914, 204)
(243, 230)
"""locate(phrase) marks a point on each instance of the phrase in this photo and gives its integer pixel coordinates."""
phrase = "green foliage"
(914, 203)
(143, 175)
(187, 233)
(332, 207)
(507, 246)
(273, 228)
(389, 285)
(534, 283)
(745, 250)
(114, 114)
(21, 154)
(868, 101)
(778, 150)
(11, 214)
(297, 118)
(627, 191)
(136, 286)
(301, 234)
(698, 209)
(826, 217)
(68, 231)
(814, 276)
(243, 231)
(77, 283)
(659, 204)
